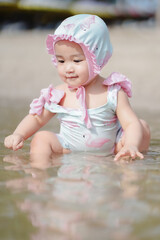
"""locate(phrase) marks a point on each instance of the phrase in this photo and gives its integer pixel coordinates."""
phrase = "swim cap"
(91, 33)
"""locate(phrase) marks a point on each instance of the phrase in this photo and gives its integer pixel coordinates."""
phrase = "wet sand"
(25, 65)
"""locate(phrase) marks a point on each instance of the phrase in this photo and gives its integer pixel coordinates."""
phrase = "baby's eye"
(77, 60)
(61, 61)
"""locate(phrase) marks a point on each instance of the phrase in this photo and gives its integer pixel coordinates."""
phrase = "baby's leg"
(144, 144)
(46, 143)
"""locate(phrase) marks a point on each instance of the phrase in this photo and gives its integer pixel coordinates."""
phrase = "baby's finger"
(16, 145)
(140, 155)
(133, 154)
(119, 155)
(19, 145)
(8, 142)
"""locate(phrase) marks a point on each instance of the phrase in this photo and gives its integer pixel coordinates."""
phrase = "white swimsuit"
(74, 134)
(100, 138)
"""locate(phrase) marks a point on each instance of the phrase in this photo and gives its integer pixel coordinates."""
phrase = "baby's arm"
(26, 128)
(133, 132)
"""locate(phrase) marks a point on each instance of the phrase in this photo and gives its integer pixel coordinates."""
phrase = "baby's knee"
(39, 139)
(146, 128)
(146, 135)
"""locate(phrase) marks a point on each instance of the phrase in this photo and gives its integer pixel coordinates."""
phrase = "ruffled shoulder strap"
(48, 95)
(121, 80)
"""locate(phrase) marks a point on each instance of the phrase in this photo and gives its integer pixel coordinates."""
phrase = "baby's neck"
(97, 79)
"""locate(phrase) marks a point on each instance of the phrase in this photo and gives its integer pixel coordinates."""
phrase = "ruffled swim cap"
(91, 33)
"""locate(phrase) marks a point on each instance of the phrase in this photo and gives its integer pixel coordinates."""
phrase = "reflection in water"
(76, 196)
(79, 196)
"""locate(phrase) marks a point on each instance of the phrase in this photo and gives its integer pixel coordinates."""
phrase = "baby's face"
(72, 65)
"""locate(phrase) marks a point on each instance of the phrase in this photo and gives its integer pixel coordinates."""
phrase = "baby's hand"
(130, 151)
(14, 141)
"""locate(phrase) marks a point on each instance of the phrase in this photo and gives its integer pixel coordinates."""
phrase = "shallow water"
(77, 196)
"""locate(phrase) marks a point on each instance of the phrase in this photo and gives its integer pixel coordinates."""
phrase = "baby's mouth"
(71, 77)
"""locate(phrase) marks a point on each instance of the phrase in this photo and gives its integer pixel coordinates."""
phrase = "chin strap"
(80, 94)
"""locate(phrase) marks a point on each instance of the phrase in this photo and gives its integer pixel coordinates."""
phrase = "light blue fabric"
(91, 33)
(74, 134)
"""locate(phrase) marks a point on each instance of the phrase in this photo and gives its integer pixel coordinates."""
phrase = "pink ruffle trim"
(52, 39)
(48, 95)
(120, 79)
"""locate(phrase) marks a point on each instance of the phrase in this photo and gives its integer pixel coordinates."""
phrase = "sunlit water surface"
(77, 196)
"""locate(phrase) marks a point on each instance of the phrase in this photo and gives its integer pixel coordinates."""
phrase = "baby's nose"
(69, 67)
